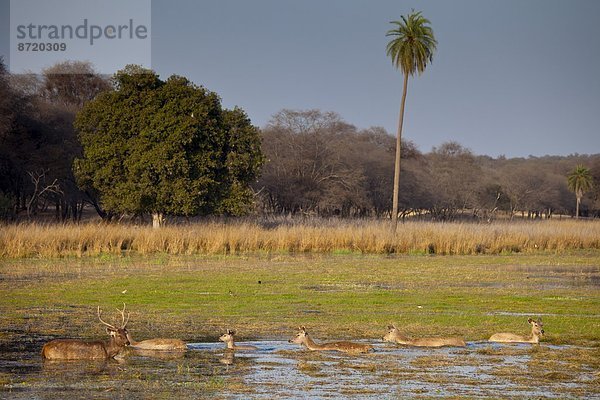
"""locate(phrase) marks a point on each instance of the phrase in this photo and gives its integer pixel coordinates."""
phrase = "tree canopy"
(37, 139)
(413, 43)
(166, 147)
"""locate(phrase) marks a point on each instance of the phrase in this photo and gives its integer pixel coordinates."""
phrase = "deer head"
(227, 337)
(392, 333)
(536, 326)
(118, 334)
(300, 336)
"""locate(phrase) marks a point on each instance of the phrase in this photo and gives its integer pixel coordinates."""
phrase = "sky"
(510, 78)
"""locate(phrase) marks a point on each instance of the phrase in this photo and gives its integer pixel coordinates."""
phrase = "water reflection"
(279, 369)
(228, 358)
(78, 367)
(158, 354)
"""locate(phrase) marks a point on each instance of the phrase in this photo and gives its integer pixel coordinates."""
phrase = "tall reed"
(207, 238)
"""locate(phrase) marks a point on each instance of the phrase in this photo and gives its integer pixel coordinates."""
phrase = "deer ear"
(232, 332)
(303, 329)
(530, 320)
(111, 332)
(390, 327)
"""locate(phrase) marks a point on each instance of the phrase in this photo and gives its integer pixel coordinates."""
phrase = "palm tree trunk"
(577, 207)
(397, 161)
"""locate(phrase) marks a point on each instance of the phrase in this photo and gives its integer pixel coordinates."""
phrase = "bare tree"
(308, 169)
(454, 180)
(72, 84)
(36, 134)
(318, 164)
(41, 190)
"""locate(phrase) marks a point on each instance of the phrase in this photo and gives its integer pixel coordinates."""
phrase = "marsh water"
(278, 369)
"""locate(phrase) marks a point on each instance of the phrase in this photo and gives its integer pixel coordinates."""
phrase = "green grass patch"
(335, 296)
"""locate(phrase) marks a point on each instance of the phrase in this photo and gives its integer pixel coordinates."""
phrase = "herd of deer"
(72, 349)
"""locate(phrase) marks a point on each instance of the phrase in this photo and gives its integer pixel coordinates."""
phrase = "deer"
(536, 332)
(160, 344)
(302, 338)
(229, 339)
(74, 349)
(394, 336)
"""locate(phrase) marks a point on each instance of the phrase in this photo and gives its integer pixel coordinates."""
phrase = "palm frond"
(413, 43)
(580, 180)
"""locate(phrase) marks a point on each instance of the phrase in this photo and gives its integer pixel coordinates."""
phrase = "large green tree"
(579, 181)
(411, 49)
(166, 148)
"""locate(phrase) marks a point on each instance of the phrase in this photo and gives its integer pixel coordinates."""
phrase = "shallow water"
(278, 369)
(282, 370)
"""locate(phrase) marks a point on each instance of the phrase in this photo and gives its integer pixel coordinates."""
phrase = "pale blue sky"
(518, 77)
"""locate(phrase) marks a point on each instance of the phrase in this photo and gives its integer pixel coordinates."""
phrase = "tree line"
(319, 164)
(38, 142)
(133, 145)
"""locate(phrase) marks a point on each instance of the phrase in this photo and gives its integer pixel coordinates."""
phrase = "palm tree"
(411, 49)
(579, 181)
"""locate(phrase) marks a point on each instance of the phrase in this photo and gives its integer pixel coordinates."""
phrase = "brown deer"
(229, 339)
(160, 344)
(303, 338)
(73, 349)
(395, 336)
(536, 331)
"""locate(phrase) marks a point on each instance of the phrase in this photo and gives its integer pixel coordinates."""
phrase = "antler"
(105, 323)
(123, 321)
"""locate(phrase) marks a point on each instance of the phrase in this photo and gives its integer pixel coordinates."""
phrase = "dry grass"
(374, 237)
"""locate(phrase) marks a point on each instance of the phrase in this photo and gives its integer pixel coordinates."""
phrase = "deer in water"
(395, 336)
(536, 331)
(303, 338)
(73, 349)
(155, 344)
(229, 339)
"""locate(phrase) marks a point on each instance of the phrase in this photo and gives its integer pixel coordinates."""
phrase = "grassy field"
(340, 295)
(336, 296)
(319, 236)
